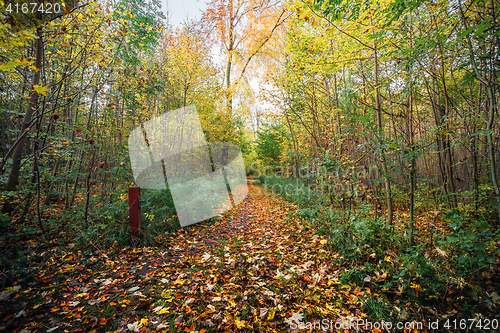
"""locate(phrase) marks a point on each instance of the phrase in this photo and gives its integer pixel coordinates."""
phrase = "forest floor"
(255, 269)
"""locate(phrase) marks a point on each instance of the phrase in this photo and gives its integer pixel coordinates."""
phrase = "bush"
(159, 215)
(294, 190)
(469, 243)
(380, 257)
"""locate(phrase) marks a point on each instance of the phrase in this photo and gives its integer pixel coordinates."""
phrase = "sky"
(180, 10)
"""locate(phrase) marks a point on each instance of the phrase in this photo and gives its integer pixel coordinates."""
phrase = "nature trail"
(256, 268)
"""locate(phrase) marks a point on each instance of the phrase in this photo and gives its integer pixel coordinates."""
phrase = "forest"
(370, 141)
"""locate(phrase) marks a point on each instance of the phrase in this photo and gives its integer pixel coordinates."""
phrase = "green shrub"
(294, 190)
(378, 308)
(158, 215)
(469, 242)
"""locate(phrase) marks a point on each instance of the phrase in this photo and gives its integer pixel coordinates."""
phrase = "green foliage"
(158, 215)
(378, 308)
(107, 225)
(341, 9)
(379, 256)
(5, 225)
(294, 190)
(472, 244)
(143, 19)
(357, 234)
(270, 143)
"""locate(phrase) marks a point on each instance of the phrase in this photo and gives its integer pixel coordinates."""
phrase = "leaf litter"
(256, 269)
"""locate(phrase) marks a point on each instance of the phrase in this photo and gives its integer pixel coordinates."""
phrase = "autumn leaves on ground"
(255, 269)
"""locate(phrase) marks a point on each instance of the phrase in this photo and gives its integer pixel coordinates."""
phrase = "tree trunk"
(490, 89)
(32, 105)
(446, 139)
(383, 162)
(229, 63)
(409, 129)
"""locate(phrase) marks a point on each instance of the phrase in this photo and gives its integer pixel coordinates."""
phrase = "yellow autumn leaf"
(23, 62)
(178, 282)
(330, 282)
(33, 68)
(10, 290)
(166, 294)
(40, 89)
(8, 67)
(240, 323)
(271, 313)
(330, 307)
(163, 311)
(323, 241)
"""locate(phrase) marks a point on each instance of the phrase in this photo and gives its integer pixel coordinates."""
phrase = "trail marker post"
(134, 208)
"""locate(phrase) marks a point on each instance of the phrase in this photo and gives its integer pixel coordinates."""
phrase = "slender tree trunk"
(228, 83)
(412, 164)
(491, 147)
(490, 93)
(30, 109)
(434, 98)
(52, 183)
(75, 186)
(89, 185)
(296, 174)
(229, 63)
(446, 140)
(383, 162)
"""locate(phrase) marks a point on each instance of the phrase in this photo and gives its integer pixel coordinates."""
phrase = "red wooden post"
(134, 208)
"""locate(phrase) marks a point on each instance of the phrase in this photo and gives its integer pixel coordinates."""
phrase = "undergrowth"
(452, 272)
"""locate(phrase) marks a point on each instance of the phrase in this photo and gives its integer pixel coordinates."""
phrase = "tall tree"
(242, 28)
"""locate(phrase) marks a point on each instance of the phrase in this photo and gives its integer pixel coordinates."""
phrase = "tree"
(238, 24)
(487, 73)
(270, 144)
(18, 147)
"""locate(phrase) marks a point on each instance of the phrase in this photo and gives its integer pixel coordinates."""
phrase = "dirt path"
(252, 270)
